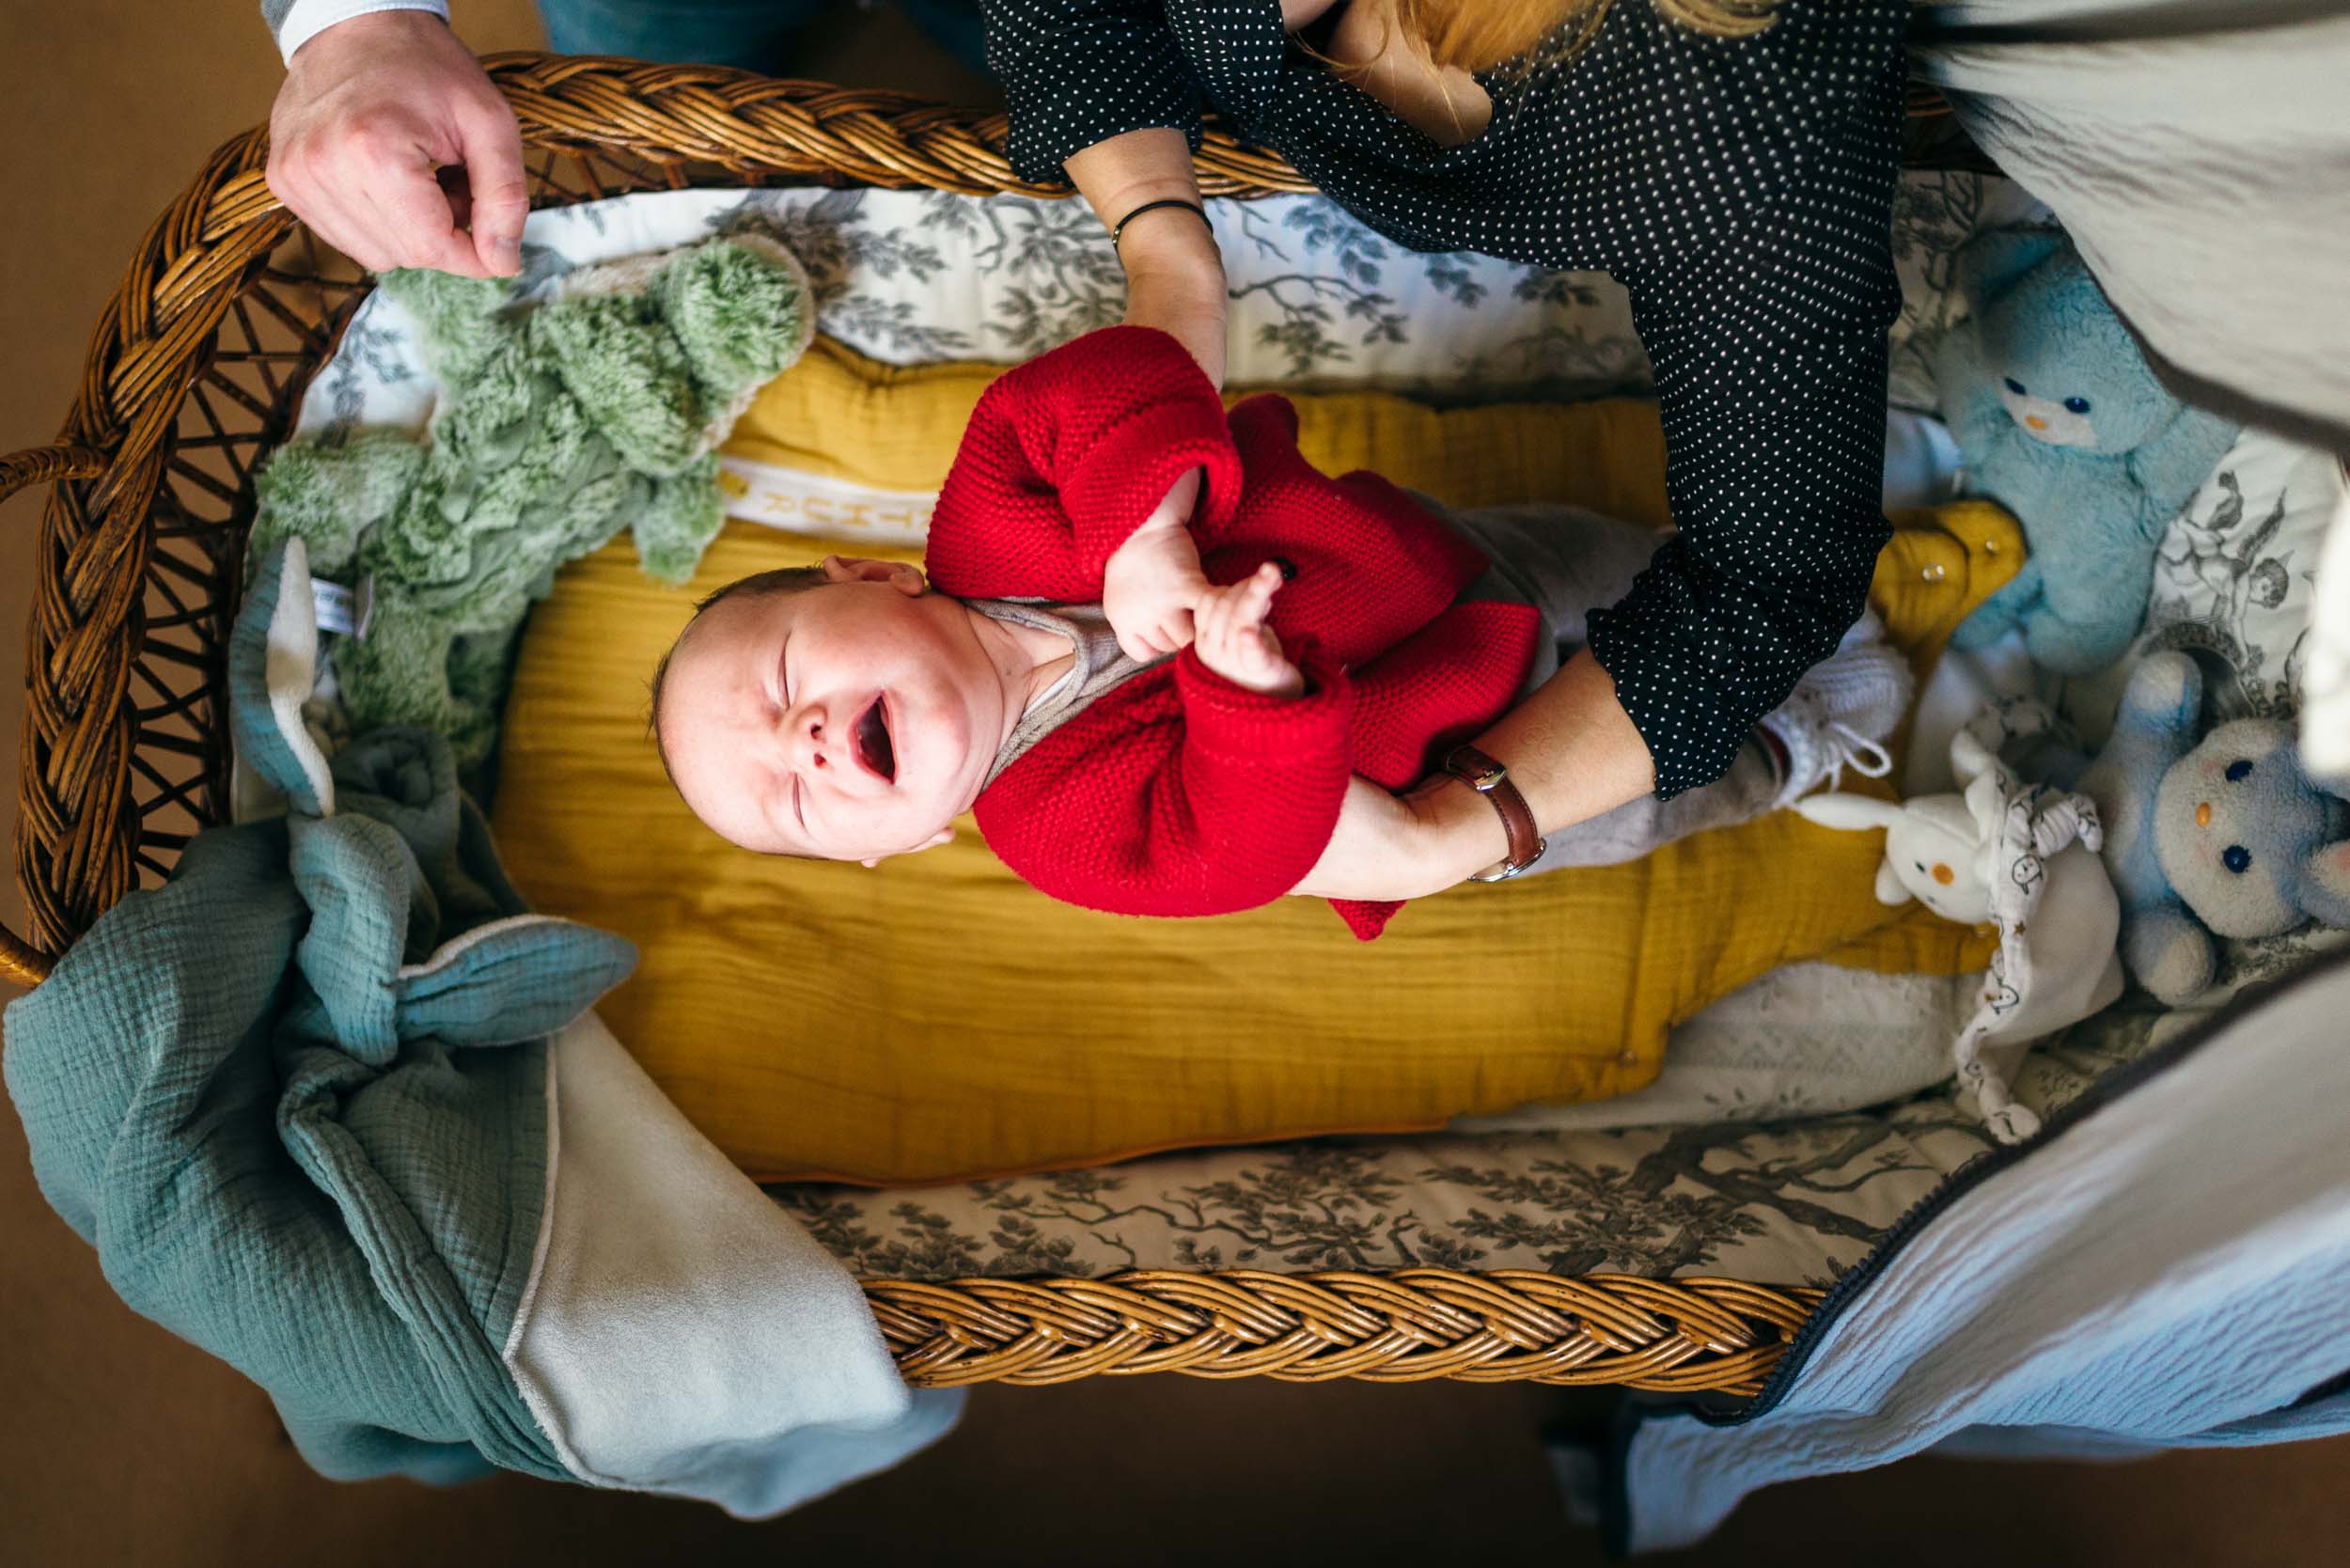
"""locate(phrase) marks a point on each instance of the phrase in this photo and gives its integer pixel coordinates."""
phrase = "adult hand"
(388, 140)
(1573, 752)
(1406, 846)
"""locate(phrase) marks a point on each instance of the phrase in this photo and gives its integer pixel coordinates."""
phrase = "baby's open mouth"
(872, 742)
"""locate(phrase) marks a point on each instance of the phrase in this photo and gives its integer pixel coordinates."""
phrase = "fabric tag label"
(804, 503)
(342, 609)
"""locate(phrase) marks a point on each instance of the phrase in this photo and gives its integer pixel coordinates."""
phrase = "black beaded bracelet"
(1117, 229)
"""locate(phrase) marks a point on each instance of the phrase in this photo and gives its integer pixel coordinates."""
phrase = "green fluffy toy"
(559, 424)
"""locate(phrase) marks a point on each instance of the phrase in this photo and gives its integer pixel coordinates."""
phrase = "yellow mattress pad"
(936, 1019)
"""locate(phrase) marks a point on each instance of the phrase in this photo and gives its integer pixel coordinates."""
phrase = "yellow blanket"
(937, 1019)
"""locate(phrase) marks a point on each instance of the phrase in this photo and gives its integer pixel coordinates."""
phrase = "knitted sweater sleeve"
(1770, 363)
(1189, 796)
(1067, 454)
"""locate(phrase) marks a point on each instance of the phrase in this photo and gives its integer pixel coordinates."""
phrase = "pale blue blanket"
(2168, 1265)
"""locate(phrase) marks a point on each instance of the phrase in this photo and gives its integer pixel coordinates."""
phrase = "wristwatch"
(1491, 779)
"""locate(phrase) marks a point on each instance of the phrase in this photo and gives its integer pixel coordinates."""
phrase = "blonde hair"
(1484, 35)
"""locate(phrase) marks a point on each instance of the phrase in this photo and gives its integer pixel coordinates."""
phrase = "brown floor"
(119, 1444)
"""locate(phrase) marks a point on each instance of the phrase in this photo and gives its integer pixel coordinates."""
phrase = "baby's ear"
(903, 576)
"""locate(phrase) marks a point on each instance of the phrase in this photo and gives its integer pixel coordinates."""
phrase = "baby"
(1158, 654)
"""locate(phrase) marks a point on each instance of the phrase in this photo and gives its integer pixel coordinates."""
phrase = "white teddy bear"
(2013, 855)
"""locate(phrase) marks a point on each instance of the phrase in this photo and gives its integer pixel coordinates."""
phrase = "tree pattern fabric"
(1794, 1203)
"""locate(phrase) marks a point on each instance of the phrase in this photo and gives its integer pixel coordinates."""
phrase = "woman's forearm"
(1174, 271)
(1118, 175)
(1572, 751)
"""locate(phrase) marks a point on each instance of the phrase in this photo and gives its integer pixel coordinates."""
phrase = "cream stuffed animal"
(2017, 855)
(1935, 849)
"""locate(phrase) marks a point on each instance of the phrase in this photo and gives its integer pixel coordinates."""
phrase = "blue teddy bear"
(2061, 422)
(2228, 837)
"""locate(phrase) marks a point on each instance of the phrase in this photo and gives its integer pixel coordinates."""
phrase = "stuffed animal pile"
(2020, 856)
(2210, 833)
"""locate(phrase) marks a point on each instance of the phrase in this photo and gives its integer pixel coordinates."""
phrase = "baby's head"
(840, 712)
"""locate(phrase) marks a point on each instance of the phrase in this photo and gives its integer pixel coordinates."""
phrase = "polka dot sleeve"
(1770, 359)
(1742, 192)
(1079, 72)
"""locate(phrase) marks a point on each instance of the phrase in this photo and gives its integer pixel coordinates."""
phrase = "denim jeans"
(753, 34)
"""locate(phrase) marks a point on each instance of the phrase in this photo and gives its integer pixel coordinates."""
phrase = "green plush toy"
(559, 424)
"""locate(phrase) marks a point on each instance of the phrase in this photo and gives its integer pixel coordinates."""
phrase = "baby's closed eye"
(784, 804)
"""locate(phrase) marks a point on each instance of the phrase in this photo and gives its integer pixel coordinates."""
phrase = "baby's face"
(847, 721)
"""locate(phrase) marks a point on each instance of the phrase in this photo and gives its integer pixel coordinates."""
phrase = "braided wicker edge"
(78, 829)
(1509, 1326)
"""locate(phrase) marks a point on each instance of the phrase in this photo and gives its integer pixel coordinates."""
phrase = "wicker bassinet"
(197, 370)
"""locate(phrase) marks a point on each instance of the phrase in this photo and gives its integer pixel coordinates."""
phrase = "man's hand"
(1235, 641)
(1151, 582)
(388, 140)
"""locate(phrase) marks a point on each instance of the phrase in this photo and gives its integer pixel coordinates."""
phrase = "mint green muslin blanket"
(297, 1098)
(559, 423)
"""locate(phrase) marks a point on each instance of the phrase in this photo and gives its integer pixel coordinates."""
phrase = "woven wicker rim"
(196, 366)
(1509, 1326)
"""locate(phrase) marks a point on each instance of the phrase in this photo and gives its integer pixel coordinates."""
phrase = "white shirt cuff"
(309, 18)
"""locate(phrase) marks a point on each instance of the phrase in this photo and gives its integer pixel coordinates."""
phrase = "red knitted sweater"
(1180, 793)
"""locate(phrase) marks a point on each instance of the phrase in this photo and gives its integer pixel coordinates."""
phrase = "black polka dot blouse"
(1741, 190)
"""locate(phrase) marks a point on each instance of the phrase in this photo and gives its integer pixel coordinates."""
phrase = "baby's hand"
(1150, 582)
(1235, 641)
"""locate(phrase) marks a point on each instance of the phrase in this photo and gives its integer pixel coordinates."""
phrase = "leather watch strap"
(1491, 779)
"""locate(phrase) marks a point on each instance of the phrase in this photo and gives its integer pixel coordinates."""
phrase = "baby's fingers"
(1259, 663)
(1256, 595)
(1264, 651)
(1157, 640)
(1239, 607)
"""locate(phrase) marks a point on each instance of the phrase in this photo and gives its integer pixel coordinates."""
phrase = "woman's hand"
(1151, 583)
(1573, 753)
(1389, 846)
(1235, 642)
